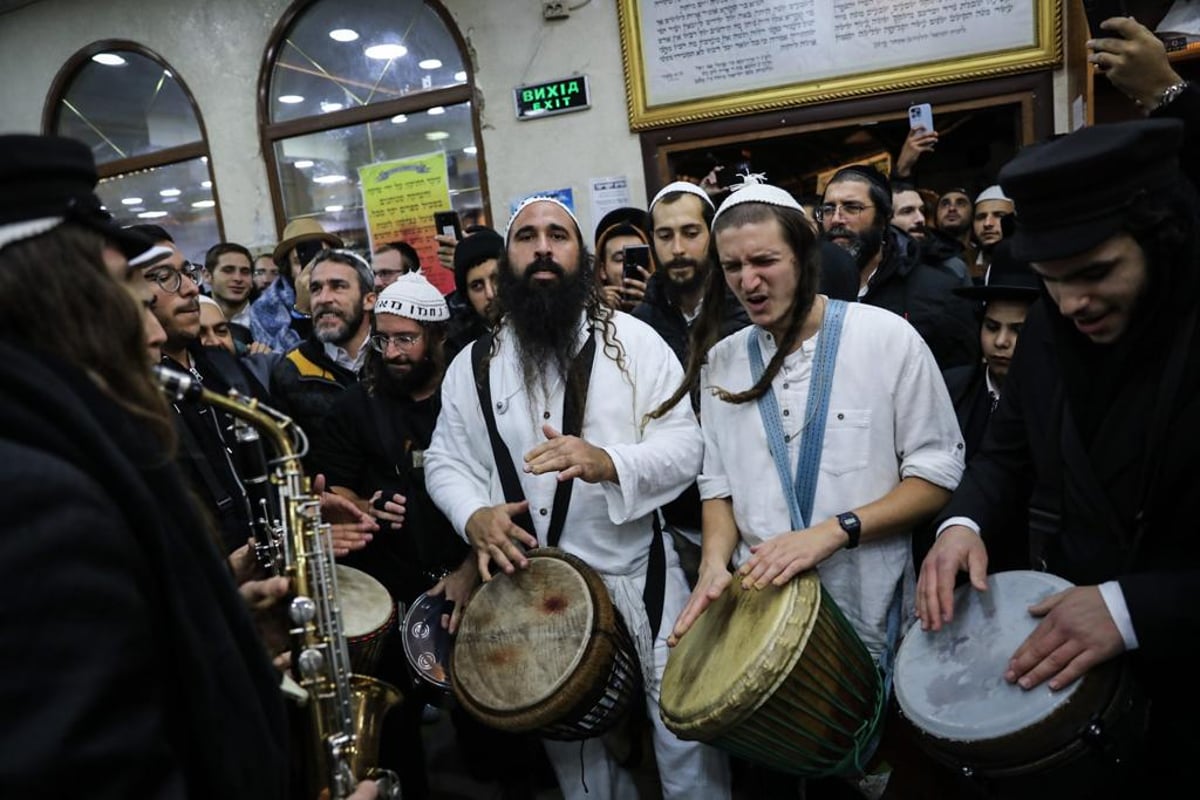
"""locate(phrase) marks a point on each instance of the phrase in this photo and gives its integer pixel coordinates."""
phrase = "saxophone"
(346, 711)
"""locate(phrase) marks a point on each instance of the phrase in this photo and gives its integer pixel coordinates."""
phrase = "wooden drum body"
(950, 687)
(368, 615)
(776, 676)
(544, 650)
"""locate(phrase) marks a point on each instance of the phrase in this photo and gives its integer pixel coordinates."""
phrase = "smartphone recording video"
(636, 255)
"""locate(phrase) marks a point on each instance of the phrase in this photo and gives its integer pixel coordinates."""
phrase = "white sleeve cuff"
(1114, 599)
(966, 522)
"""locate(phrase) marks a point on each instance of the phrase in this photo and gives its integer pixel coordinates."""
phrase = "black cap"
(48, 177)
(628, 215)
(865, 172)
(1007, 279)
(1074, 192)
(471, 251)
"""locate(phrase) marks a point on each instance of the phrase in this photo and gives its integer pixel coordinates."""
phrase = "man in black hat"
(1097, 430)
(894, 271)
(475, 279)
(137, 671)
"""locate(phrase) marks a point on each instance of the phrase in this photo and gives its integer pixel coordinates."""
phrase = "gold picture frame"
(646, 111)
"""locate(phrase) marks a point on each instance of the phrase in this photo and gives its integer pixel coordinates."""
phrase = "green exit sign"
(552, 97)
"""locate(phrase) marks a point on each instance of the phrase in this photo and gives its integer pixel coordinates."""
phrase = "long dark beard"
(402, 387)
(862, 246)
(544, 317)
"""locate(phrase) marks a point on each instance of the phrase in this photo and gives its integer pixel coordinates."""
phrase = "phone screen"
(636, 255)
(447, 224)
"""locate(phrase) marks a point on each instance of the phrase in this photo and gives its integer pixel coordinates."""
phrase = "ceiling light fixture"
(109, 59)
(327, 179)
(437, 136)
(206, 184)
(291, 99)
(170, 192)
(430, 63)
(303, 163)
(460, 77)
(398, 119)
(435, 111)
(470, 149)
(131, 201)
(327, 107)
(334, 209)
(204, 204)
(385, 52)
(152, 215)
(343, 35)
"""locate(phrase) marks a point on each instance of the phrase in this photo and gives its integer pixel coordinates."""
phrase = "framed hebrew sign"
(691, 60)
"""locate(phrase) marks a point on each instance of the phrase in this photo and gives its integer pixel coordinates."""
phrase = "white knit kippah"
(752, 189)
(993, 192)
(680, 186)
(205, 300)
(540, 198)
(413, 297)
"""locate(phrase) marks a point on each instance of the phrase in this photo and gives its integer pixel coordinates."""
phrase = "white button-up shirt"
(608, 525)
(890, 417)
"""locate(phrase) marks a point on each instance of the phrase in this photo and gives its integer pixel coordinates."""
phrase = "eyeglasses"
(402, 341)
(171, 280)
(849, 210)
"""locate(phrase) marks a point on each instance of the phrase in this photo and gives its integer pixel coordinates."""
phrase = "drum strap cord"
(801, 490)
(577, 387)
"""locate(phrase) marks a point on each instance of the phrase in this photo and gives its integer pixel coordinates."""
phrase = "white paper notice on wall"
(608, 194)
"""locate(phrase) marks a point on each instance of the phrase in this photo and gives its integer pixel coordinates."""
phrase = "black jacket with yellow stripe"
(305, 383)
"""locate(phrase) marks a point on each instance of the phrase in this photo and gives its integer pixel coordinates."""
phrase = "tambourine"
(426, 643)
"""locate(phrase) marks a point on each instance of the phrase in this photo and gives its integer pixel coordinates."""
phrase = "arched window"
(347, 90)
(132, 109)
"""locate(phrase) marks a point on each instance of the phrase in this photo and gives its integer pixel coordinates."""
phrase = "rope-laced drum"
(778, 677)
(543, 649)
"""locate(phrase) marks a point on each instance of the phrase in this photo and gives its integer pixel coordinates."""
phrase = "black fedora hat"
(46, 181)
(1007, 279)
(1074, 192)
(633, 217)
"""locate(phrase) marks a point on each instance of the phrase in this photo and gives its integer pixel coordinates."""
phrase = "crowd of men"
(875, 338)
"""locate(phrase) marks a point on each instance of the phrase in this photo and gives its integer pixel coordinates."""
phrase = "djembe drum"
(778, 677)
(544, 650)
(368, 615)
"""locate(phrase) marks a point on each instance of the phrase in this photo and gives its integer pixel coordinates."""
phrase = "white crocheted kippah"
(680, 186)
(412, 296)
(538, 198)
(753, 189)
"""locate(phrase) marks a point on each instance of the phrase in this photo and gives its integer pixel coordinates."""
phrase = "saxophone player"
(133, 667)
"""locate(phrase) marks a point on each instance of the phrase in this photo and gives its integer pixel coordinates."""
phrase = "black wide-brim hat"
(1074, 192)
(46, 181)
(1007, 279)
(627, 215)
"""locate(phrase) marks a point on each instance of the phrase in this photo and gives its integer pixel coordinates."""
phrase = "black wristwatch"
(852, 525)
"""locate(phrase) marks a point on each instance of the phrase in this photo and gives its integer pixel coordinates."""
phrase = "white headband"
(680, 186)
(538, 198)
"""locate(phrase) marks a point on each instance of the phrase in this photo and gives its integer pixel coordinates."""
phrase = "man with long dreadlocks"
(848, 387)
(559, 354)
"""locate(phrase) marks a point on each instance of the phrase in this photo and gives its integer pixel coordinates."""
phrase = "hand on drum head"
(1075, 634)
(709, 586)
(389, 510)
(494, 536)
(457, 586)
(571, 457)
(778, 560)
(958, 549)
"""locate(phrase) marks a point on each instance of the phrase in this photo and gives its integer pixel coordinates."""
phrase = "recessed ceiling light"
(330, 178)
(152, 214)
(206, 184)
(170, 199)
(204, 204)
(108, 59)
(334, 209)
(430, 63)
(385, 52)
(303, 163)
(131, 201)
(170, 192)
(461, 77)
(437, 136)
(399, 118)
(203, 159)
(471, 150)
(435, 111)
(343, 35)
(291, 99)
(327, 107)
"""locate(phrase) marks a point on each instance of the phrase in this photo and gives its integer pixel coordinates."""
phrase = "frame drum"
(950, 685)
(543, 649)
(368, 614)
(778, 677)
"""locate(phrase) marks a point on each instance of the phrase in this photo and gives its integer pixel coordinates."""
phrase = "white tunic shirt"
(609, 524)
(890, 417)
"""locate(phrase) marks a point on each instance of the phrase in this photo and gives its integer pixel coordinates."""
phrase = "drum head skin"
(951, 683)
(365, 603)
(426, 642)
(720, 673)
(523, 635)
